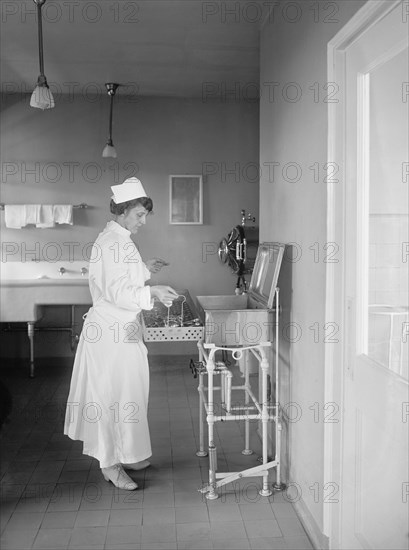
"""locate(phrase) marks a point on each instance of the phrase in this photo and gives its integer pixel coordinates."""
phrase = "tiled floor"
(53, 496)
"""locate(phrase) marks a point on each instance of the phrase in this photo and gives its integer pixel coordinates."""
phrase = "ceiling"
(156, 47)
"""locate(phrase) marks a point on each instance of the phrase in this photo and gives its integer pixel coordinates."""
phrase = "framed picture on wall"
(186, 200)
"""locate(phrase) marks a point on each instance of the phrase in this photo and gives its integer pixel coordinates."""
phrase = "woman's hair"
(120, 208)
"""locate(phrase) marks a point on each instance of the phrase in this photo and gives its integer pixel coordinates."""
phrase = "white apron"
(108, 399)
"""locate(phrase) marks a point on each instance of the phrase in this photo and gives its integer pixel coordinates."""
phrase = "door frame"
(338, 362)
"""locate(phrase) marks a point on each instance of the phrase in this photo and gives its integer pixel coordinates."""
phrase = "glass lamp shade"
(42, 98)
(109, 151)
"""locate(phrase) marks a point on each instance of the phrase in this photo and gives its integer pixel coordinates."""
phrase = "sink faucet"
(62, 270)
(84, 270)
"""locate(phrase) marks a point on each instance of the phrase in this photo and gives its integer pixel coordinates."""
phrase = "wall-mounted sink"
(18, 271)
(27, 285)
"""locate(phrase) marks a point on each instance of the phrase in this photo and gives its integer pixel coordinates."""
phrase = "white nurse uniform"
(108, 398)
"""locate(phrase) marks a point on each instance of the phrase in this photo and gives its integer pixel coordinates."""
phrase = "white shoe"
(137, 465)
(118, 477)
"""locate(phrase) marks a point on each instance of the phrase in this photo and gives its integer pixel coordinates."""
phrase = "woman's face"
(134, 218)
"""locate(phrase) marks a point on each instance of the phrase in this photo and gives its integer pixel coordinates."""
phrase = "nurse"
(108, 398)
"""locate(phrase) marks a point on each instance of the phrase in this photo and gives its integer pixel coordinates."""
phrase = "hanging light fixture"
(109, 149)
(42, 98)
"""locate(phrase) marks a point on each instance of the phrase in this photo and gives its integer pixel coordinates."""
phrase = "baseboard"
(317, 538)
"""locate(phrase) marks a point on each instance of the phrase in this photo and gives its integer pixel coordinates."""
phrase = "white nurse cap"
(129, 190)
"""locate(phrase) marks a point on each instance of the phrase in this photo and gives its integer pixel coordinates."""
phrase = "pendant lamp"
(41, 98)
(109, 149)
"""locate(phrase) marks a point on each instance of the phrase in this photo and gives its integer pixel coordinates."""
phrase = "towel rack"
(82, 205)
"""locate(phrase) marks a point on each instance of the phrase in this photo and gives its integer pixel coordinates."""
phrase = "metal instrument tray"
(246, 319)
(180, 322)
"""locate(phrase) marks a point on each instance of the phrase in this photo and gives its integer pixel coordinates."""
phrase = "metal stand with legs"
(253, 409)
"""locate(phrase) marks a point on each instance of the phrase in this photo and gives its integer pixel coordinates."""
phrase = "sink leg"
(30, 332)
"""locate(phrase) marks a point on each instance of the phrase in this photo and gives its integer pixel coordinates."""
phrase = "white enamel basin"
(16, 271)
(27, 285)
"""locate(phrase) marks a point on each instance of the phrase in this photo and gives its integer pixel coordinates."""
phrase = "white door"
(373, 444)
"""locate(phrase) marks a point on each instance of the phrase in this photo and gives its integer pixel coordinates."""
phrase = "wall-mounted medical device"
(239, 249)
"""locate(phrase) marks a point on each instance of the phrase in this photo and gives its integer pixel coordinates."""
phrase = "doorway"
(367, 290)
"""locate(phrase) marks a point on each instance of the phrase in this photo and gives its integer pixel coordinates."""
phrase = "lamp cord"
(40, 39)
(110, 118)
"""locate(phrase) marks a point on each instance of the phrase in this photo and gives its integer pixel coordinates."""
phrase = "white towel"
(15, 215)
(42, 215)
(46, 216)
(63, 213)
(33, 213)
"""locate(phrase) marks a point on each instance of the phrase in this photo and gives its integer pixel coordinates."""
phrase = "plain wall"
(293, 152)
(55, 157)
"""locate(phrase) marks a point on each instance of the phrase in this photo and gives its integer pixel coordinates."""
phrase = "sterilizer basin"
(232, 321)
(246, 319)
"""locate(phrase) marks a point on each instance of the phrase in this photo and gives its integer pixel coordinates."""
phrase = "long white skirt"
(108, 398)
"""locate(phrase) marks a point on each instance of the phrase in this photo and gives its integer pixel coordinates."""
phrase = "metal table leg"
(246, 450)
(30, 332)
(200, 389)
(212, 494)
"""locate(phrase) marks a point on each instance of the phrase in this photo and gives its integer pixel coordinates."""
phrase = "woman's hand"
(164, 294)
(155, 264)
